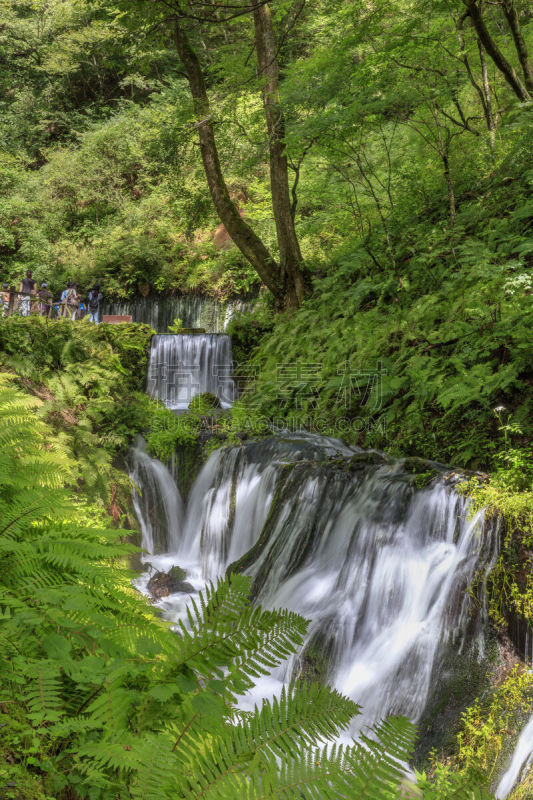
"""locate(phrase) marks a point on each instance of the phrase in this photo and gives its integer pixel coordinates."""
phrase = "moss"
(488, 731)
(189, 458)
(313, 664)
(524, 791)
(233, 496)
(458, 679)
(204, 404)
(423, 479)
(510, 583)
(362, 460)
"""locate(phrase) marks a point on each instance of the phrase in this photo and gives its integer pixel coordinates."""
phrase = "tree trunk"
(241, 233)
(289, 248)
(449, 184)
(507, 69)
(489, 115)
(511, 14)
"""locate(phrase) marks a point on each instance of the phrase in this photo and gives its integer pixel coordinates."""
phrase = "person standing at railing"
(63, 310)
(45, 298)
(28, 289)
(71, 301)
(93, 304)
(4, 299)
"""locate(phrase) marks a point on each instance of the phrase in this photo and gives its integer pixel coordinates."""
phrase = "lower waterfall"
(345, 538)
(158, 506)
(185, 365)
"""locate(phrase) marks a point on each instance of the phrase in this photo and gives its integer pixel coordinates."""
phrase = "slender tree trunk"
(449, 184)
(489, 115)
(507, 69)
(241, 233)
(289, 248)
(483, 91)
(511, 14)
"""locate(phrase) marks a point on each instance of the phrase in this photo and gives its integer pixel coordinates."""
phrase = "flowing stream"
(344, 538)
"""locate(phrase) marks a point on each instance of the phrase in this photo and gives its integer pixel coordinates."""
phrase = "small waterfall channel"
(182, 366)
(521, 760)
(378, 558)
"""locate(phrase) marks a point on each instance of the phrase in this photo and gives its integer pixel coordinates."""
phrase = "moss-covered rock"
(242, 564)
(313, 663)
(172, 582)
(524, 791)
(457, 680)
(360, 461)
(204, 404)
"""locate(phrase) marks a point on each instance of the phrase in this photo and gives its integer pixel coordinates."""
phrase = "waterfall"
(344, 538)
(195, 311)
(184, 365)
(158, 504)
(521, 760)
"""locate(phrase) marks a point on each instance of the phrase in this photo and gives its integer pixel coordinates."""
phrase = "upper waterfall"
(185, 365)
(344, 538)
(194, 311)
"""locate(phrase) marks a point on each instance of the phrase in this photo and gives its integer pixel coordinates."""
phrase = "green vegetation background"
(415, 219)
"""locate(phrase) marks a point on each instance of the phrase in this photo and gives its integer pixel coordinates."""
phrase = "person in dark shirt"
(27, 288)
(93, 304)
(45, 297)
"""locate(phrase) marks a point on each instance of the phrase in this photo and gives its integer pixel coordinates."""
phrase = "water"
(521, 760)
(344, 539)
(184, 365)
(158, 505)
(194, 311)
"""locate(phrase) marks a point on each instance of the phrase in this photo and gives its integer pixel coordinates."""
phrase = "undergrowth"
(414, 359)
(89, 380)
(487, 730)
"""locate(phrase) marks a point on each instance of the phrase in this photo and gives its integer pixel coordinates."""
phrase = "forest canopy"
(386, 112)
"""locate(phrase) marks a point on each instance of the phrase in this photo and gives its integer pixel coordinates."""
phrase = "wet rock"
(313, 663)
(422, 472)
(360, 461)
(172, 582)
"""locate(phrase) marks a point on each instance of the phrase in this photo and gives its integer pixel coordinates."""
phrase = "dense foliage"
(89, 382)
(415, 359)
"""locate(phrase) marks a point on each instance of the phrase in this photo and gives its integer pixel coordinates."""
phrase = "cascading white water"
(158, 505)
(194, 311)
(343, 538)
(521, 760)
(184, 365)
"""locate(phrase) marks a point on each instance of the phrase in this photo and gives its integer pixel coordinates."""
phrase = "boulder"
(172, 582)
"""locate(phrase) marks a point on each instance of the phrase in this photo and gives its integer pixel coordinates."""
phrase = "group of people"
(31, 300)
